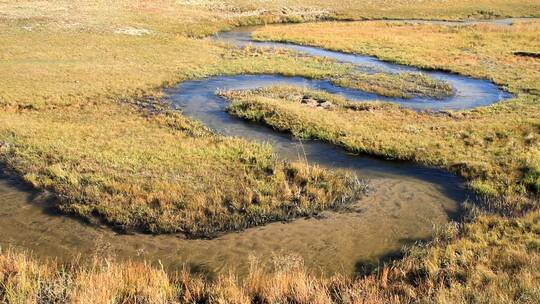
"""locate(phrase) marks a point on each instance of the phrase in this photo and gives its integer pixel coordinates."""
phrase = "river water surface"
(407, 201)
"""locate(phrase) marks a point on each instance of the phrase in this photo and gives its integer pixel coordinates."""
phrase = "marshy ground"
(82, 118)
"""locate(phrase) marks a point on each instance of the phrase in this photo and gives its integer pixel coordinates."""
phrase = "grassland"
(79, 117)
(63, 142)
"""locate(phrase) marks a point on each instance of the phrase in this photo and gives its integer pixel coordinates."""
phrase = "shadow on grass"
(46, 201)
(372, 265)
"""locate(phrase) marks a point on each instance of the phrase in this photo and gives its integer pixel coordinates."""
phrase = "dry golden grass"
(450, 9)
(25, 280)
(494, 260)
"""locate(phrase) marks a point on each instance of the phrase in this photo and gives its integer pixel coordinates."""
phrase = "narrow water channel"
(406, 204)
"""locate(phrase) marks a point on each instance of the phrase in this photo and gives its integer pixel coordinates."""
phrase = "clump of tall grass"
(402, 85)
(26, 280)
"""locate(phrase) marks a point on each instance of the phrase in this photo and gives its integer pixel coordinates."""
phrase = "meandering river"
(407, 201)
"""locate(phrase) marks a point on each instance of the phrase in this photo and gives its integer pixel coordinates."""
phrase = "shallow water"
(406, 204)
(397, 212)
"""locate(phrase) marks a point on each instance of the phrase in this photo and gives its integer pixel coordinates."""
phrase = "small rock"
(327, 105)
(132, 31)
(310, 102)
(4, 146)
